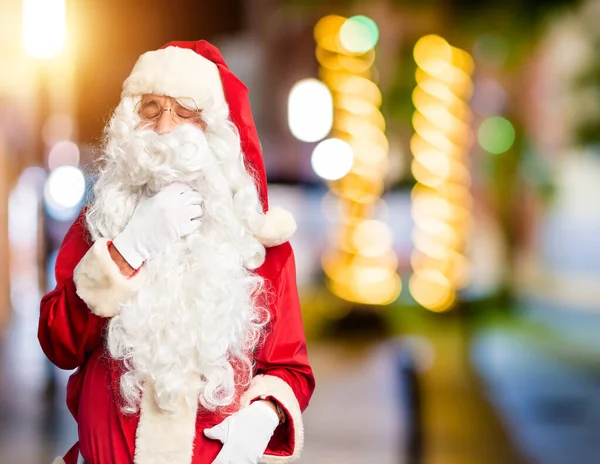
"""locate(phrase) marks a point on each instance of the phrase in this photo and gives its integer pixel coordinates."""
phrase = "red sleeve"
(283, 373)
(284, 352)
(68, 331)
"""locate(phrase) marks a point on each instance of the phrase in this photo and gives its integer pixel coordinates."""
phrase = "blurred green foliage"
(588, 82)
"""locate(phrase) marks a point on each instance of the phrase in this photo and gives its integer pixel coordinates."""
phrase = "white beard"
(199, 313)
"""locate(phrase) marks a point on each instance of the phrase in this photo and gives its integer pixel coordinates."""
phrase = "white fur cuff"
(279, 226)
(263, 386)
(100, 283)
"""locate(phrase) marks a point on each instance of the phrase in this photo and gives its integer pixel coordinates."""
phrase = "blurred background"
(442, 160)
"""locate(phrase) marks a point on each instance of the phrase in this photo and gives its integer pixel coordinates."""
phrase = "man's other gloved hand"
(245, 434)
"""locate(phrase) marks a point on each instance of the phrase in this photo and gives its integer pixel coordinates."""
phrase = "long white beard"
(192, 328)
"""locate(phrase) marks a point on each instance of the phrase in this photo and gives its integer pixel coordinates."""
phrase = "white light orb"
(65, 187)
(44, 27)
(310, 110)
(332, 159)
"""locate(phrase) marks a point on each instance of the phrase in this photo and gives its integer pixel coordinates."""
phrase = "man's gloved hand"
(245, 434)
(159, 221)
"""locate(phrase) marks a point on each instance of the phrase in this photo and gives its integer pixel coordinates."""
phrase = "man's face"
(162, 114)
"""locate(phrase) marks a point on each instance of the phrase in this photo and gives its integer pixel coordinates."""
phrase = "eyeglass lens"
(183, 109)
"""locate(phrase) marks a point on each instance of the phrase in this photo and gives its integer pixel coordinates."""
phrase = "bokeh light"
(65, 187)
(359, 34)
(326, 32)
(310, 110)
(489, 98)
(496, 135)
(441, 200)
(63, 153)
(44, 27)
(431, 51)
(332, 159)
(432, 290)
(360, 262)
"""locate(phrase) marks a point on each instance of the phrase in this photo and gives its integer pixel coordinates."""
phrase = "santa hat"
(198, 70)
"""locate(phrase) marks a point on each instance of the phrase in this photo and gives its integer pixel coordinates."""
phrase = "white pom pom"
(278, 227)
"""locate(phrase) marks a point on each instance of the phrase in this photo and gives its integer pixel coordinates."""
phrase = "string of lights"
(441, 199)
(360, 262)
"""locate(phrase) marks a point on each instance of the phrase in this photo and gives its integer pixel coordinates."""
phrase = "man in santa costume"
(176, 296)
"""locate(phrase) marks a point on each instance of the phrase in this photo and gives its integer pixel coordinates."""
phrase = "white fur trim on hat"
(100, 283)
(177, 72)
(264, 386)
(278, 227)
(58, 460)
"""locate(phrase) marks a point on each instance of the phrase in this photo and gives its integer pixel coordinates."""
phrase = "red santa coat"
(71, 334)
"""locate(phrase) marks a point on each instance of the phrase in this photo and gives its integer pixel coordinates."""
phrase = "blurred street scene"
(442, 161)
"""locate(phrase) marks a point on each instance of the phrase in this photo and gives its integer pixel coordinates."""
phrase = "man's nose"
(165, 123)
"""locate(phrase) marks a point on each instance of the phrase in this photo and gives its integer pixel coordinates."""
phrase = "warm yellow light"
(450, 87)
(366, 285)
(359, 108)
(431, 49)
(372, 238)
(463, 60)
(453, 267)
(328, 26)
(425, 176)
(329, 44)
(435, 160)
(361, 189)
(418, 145)
(44, 27)
(438, 232)
(439, 207)
(455, 129)
(362, 266)
(435, 88)
(374, 118)
(383, 291)
(329, 60)
(357, 128)
(454, 193)
(441, 201)
(432, 290)
(366, 152)
(360, 87)
(371, 169)
(333, 260)
(456, 79)
(443, 119)
(429, 245)
(435, 170)
(357, 64)
(434, 137)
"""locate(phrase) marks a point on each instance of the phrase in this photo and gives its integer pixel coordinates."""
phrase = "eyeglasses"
(183, 110)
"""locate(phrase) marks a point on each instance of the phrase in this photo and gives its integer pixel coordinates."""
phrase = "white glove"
(159, 221)
(245, 434)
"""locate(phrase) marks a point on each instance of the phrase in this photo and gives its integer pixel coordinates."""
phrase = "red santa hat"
(198, 70)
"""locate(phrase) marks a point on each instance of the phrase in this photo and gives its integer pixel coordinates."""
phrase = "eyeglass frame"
(154, 122)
